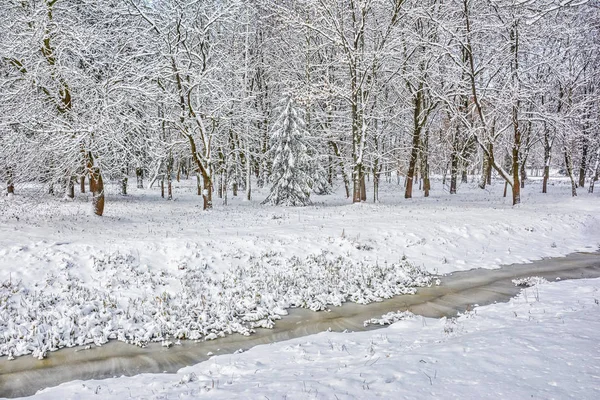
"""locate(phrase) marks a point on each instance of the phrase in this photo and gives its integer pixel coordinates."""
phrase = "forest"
(297, 96)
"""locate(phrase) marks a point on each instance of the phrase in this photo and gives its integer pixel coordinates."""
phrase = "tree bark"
(583, 165)
(569, 166)
(97, 189)
(207, 193)
(124, 181)
(10, 186)
(453, 171)
(70, 192)
(139, 174)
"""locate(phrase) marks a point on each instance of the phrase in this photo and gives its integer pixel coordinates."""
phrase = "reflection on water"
(26, 375)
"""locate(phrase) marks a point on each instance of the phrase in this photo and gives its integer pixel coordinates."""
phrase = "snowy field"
(542, 344)
(152, 270)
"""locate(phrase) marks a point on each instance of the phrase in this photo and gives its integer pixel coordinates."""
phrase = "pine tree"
(319, 183)
(291, 163)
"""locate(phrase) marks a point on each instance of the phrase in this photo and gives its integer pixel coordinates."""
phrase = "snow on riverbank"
(542, 344)
(151, 269)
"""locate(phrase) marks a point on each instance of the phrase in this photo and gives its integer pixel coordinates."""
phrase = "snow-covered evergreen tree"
(319, 183)
(291, 163)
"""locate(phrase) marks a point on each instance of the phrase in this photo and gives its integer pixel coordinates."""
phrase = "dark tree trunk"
(414, 155)
(376, 177)
(220, 188)
(162, 188)
(10, 186)
(124, 181)
(170, 164)
(453, 172)
(139, 174)
(583, 165)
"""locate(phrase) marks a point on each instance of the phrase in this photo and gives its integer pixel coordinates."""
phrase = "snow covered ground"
(542, 344)
(151, 269)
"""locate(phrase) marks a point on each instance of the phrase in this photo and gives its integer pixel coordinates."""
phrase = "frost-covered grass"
(63, 312)
(150, 268)
(544, 347)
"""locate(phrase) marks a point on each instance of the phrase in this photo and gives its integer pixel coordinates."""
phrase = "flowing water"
(457, 292)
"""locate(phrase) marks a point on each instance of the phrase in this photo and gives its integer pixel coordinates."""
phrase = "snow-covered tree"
(291, 164)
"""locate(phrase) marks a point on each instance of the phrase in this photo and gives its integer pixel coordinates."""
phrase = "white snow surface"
(150, 270)
(542, 344)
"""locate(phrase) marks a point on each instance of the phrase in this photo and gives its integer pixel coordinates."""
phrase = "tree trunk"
(82, 183)
(169, 188)
(220, 188)
(358, 177)
(485, 166)
(516, 187)
(363, 187)
(375, 186)
(583, 165)
(453, 172)
(170, 164)
(569, 166)
(464, 176)
(139, 174)
(97, 189)
(70, 192)
(248, 177)
(489, 166)
(337, 153)
(124, 186)
(425, 163)
(414, 155)
(10, 186)
(207, 193)
(162, 188)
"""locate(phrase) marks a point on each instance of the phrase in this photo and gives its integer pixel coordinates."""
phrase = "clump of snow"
(529, 281)
(390, 318)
